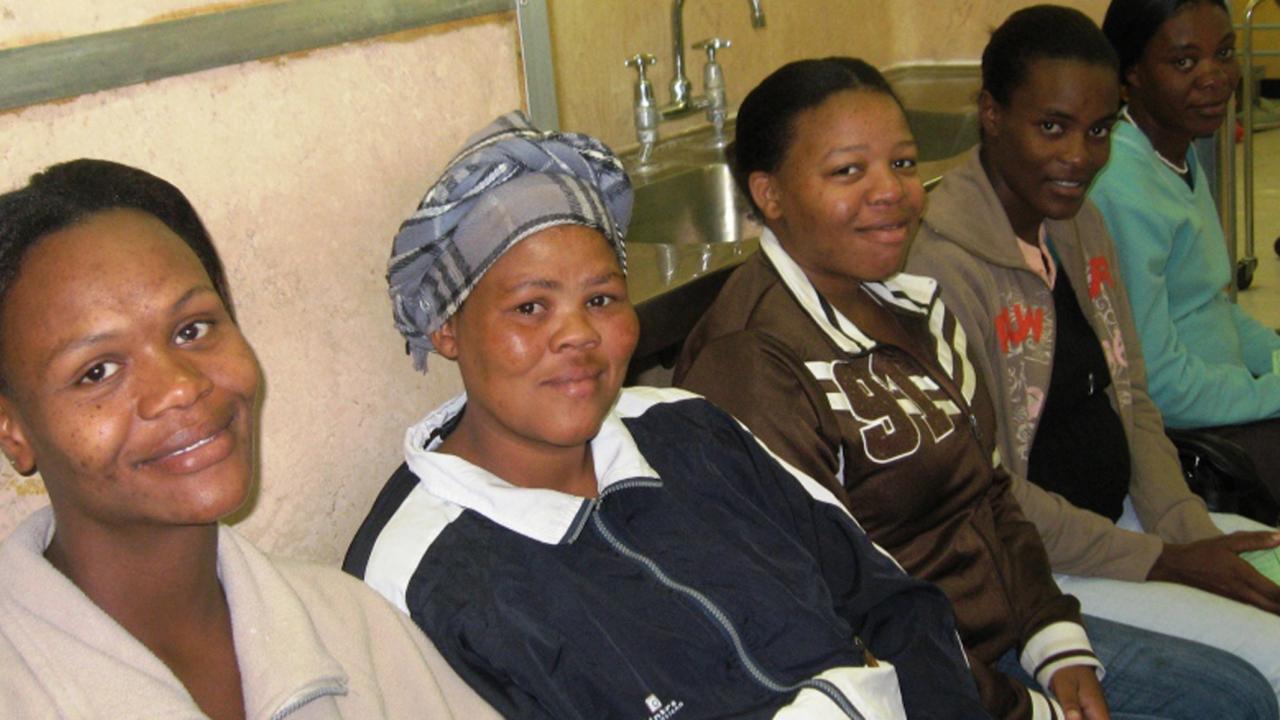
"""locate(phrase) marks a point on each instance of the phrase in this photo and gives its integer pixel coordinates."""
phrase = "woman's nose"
(1217, 74)
(169, 380)
(887, 186)
(1073, 151)
(575, 330)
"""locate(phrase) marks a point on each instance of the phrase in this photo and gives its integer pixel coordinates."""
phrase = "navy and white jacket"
(707, 580)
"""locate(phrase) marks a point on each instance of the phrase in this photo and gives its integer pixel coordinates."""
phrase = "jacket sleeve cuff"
(1055, 646)
(1044, 707)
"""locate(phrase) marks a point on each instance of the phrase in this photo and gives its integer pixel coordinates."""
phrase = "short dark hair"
(1130, 24)
(69, 193)
(766, 118)
(1035, 33)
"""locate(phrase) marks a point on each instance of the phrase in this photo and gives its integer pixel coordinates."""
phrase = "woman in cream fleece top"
(126, 383)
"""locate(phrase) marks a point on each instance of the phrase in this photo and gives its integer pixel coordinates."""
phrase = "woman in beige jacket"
(125, 382)
(1028, 267)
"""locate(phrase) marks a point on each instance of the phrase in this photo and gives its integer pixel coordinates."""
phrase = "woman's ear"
(989, 114)
(445, 340)
(13, 439)
(1131, 79)
(764, 191)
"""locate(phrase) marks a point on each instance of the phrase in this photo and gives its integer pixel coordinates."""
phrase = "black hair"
(766, 118)
(1040, 32)
(69, 193)
(1130, 24)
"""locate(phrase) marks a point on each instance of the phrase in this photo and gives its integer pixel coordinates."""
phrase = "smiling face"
(1180, 88)
(543, 342)
(846, 199)
(128, 385)
(1043, 149)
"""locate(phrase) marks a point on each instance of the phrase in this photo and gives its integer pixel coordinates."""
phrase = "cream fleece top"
(311, 641)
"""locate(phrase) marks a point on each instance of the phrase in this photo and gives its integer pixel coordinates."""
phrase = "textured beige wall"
(958, 29)
(23, 22)
(595, 89)
(302, 167)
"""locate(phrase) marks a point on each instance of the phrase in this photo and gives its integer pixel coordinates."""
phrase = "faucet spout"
(680, 85)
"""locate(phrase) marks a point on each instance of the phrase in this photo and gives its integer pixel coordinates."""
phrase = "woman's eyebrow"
(603, 278)
(78, 343)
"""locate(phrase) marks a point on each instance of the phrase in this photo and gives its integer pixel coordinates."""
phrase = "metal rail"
(1246, 265)
(99, 61)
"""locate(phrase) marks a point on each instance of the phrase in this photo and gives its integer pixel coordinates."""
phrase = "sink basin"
(942, 135)
(691, 205)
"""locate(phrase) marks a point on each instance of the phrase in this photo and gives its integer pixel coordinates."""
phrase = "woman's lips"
(193, 451)
(890, 232)
(1211, 110)
(576, 383)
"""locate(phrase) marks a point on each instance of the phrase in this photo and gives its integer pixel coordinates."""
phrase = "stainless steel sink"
(942, 135)
(690, 205)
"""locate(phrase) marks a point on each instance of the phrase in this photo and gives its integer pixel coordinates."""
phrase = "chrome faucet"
(648, 114)
(681, 103)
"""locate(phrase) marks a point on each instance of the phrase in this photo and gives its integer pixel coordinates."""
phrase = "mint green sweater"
(1208, 362)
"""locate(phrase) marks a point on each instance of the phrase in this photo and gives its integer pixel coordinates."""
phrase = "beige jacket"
(1007, 311)
(311, 641)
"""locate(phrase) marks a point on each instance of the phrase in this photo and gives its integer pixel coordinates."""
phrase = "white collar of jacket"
(95, 668)
(965, 209)
(548, 516)
(912, 293)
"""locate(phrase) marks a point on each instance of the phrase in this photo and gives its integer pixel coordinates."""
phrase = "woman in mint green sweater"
(1209, 364)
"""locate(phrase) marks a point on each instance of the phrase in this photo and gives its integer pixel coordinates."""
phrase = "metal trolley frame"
(1245, 265)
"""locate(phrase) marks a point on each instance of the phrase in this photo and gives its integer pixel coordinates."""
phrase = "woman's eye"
(1184, 63)
(99, 372)
(193, 331)
(1100, 132)
(599, 301)
(905, 164)
(848, 170)
(1227, 53)
(1049, 127)
(527, 308)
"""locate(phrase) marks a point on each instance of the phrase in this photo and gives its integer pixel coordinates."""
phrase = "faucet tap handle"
(711, 45)
(640, 61)
(713, 87)
(645, 108)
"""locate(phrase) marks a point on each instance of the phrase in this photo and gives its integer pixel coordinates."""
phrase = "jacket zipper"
(305, 696)
(718, 617)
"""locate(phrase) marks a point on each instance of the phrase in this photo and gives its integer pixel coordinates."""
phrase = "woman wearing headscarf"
(577, 552)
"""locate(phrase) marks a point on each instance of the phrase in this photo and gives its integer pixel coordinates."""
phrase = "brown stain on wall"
(25, 40)
(203, 10)
(25, 486)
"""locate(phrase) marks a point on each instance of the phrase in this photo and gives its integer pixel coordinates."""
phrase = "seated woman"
(859, 377)
(1209, 364)
(126, 383)
(1027, 266)
(580, 553)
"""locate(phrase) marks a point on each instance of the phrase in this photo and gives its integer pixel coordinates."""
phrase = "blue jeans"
(1150, 675)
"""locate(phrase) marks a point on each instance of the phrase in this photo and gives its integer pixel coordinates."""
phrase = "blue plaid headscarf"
(508, 182)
